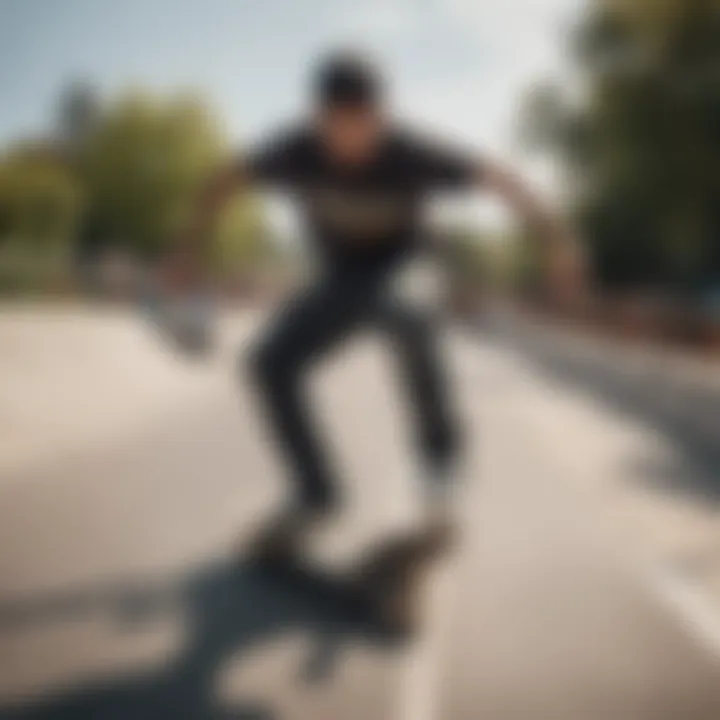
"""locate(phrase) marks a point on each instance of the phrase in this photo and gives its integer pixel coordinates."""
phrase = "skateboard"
(383, 587)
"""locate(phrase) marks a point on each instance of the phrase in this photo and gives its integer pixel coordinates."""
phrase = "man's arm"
(446, 167)
(185, 267)
(211, 199)
(562, 250)
(272, 163)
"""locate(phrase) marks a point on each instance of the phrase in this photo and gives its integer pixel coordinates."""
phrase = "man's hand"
(566, 272)
(184, 269)
(564, 260)
(181, 270)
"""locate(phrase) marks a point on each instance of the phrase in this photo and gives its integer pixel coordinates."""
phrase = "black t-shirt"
(365, 216)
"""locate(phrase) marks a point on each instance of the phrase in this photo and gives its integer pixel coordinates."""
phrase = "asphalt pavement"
(125, 591)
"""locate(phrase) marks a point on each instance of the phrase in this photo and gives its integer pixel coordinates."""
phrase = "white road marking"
(419, 687)
(686, 599)
(697, 609)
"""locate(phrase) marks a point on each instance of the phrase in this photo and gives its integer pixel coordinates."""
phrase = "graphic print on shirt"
(362, 217)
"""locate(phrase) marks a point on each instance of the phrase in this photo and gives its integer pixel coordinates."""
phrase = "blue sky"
(461, 64)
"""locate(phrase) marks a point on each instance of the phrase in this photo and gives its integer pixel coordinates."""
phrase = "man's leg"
(415, 338)
(310, 326)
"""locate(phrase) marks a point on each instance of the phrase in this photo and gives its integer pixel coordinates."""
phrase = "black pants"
(309, 327)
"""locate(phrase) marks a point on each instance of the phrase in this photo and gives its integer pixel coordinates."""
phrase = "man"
(361, 181)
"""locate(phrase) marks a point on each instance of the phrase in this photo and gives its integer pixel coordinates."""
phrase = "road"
(123, 591)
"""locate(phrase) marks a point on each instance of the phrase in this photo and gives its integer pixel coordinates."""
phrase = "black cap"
(347, 78)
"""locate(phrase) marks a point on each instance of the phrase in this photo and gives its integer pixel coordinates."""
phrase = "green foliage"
(39, 200)
(128, 180)
(465, 258)
(144, 165)
(644, 149)
(241, 239)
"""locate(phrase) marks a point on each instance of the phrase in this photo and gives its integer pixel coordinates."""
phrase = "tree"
(143, 164)
(123, 177)
(242, 239)
(39, 200)
(143, 168)
(643, 149)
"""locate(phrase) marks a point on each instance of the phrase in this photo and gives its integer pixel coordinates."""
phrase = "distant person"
(362, 181)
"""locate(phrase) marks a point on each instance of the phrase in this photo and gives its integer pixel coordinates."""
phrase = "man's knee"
(413, 328)
(445, 442)
(267, 364)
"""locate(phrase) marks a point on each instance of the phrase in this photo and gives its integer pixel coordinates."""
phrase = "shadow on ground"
(228, 610)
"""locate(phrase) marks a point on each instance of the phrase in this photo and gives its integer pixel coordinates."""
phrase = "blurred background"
(589, 583)
(112, 116)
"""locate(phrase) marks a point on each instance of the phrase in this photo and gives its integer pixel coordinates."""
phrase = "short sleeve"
(443, 166)
(276, 161)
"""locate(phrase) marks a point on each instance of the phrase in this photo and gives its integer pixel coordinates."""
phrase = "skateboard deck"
(383, 588)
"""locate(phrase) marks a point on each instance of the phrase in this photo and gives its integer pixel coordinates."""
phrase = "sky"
(459, 66)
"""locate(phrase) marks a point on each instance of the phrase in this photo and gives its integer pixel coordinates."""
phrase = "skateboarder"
(362, 180)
